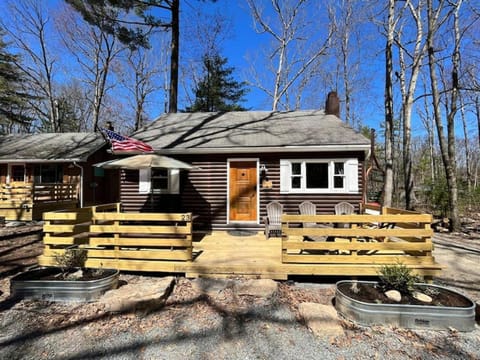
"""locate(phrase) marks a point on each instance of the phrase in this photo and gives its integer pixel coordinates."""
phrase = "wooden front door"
(243, 191)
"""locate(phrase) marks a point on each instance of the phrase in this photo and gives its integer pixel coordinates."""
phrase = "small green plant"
(397, 277)
(71, 259)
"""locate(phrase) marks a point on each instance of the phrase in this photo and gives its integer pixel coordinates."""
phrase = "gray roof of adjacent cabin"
(251, 131)
(49, 147)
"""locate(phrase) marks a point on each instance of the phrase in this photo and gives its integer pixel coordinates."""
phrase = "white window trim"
(350, 174)
(145, 183)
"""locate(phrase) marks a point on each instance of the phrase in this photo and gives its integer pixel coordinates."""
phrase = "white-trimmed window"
(319, 176)
(159, 181)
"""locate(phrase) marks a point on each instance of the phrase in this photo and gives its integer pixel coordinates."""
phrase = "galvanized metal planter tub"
(404, 315)
(30, 285)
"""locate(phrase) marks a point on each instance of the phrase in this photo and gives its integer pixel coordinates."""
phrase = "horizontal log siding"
(133, 201)
(325, 202)
(204, 191)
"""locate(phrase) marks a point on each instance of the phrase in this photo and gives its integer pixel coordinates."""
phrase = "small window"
(296, 175)
(17, 173)
(159, 179)
(339, 175)
(48, 173)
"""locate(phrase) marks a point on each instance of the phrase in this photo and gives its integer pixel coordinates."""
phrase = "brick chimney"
(332, 105)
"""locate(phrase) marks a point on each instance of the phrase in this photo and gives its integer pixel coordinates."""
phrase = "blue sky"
(244, 42)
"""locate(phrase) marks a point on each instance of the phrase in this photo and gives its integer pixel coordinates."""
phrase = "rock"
(321, 319)
(75, 275)
(146, 296)
(264, 288)
(422, 297)
(393, 295)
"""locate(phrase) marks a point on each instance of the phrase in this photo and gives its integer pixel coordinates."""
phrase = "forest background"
(408, 69)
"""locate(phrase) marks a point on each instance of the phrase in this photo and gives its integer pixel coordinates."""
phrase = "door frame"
(257, 162)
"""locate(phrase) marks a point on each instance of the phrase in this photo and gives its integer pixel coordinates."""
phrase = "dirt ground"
(457, 252)
(20, 246)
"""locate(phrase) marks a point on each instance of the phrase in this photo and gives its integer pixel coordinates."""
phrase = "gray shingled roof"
(49, 147)
(249, 130)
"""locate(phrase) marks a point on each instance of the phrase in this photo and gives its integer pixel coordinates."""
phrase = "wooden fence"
(395, 236)
(112, 239)
(27, 201)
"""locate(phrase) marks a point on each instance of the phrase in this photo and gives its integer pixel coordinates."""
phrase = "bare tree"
(348, 49)
(288, 32)
(411, 61)
(447, 143)
(95, 51)
(141, 81)
(389, 125)
(30, 34)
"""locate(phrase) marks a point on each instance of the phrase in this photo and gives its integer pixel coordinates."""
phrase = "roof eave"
(29, 161)
(277, 149)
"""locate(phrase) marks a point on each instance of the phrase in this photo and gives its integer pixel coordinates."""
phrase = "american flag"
(124, 143)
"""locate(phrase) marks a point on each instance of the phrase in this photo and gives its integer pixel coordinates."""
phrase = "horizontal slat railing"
(359, 239)
(66, 229)
(54, 192)
(128, 241)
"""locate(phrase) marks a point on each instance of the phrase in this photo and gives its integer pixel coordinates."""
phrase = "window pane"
(317, 175)
(48, 173)
(18, 173)
(339, 168)
(159, 179)
(159, 184)
(296, 168)
(296, 182)
(338, 182)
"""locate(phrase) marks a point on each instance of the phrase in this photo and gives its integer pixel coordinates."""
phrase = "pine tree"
(218, 90)
(12, 98)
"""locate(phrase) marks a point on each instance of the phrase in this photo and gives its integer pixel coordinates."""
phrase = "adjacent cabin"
(52, 171)
(244, 160)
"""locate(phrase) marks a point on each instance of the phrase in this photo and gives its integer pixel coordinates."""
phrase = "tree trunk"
(388, 181)
(447, 145)
(174, 58)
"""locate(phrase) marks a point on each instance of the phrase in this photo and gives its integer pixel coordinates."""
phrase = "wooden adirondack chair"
(309, 208)
(273, 221)
(344, 208)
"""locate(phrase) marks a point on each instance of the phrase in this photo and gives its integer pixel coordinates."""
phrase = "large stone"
(422, 297)
(263, 288)
(393, 295)
(321, 319)
(145, 296)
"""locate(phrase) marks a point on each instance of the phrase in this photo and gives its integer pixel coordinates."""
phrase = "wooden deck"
(220, 254)
(165, 243)
(223, 255)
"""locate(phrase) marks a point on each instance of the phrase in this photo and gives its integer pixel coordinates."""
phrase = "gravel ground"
(222, 325)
